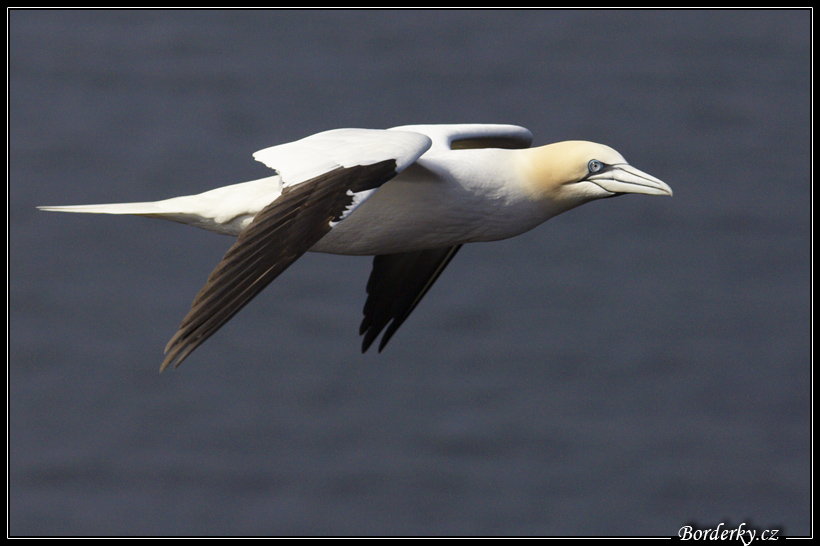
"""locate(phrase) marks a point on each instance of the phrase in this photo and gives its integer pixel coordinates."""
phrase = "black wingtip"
(178, 352)
(368, 340)
(396, 285)
(388, 334)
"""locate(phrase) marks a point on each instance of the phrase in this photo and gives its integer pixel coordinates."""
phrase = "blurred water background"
(625, 369)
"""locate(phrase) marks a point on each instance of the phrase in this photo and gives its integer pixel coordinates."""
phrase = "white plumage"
(410, 195)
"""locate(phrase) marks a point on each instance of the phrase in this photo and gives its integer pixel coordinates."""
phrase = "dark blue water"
(632, 366)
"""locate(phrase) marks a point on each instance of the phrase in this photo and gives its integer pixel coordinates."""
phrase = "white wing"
(309, 157)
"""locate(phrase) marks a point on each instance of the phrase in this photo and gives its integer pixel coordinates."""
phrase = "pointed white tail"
(226, 210)
(111, 208)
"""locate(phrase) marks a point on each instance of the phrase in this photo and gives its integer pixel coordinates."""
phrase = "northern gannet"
(409, 195)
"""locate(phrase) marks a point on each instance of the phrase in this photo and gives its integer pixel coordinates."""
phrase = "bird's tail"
(178, 209)
(227, 210)
(146, 208)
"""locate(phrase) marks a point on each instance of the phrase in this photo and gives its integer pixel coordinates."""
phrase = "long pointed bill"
(625, 178)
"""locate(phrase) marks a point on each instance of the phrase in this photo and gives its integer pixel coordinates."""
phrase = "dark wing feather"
(277, 236)
(396, 285)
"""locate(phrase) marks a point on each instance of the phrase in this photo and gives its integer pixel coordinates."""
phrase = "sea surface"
(631, 367)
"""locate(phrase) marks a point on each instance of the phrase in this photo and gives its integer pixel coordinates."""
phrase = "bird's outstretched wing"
(351, 164)
(396, 285)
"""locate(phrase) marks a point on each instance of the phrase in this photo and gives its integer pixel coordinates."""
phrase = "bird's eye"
(594, 166)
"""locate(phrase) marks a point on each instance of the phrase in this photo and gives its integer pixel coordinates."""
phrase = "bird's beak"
(625, 178)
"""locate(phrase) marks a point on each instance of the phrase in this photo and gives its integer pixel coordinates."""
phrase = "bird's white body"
(411, 196)
(442, 200)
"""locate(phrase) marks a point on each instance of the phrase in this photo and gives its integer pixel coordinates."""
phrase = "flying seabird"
(409, 195)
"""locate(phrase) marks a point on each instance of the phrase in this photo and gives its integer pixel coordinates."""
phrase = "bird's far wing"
(326, 177)
(472, 135)
(396, 285)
